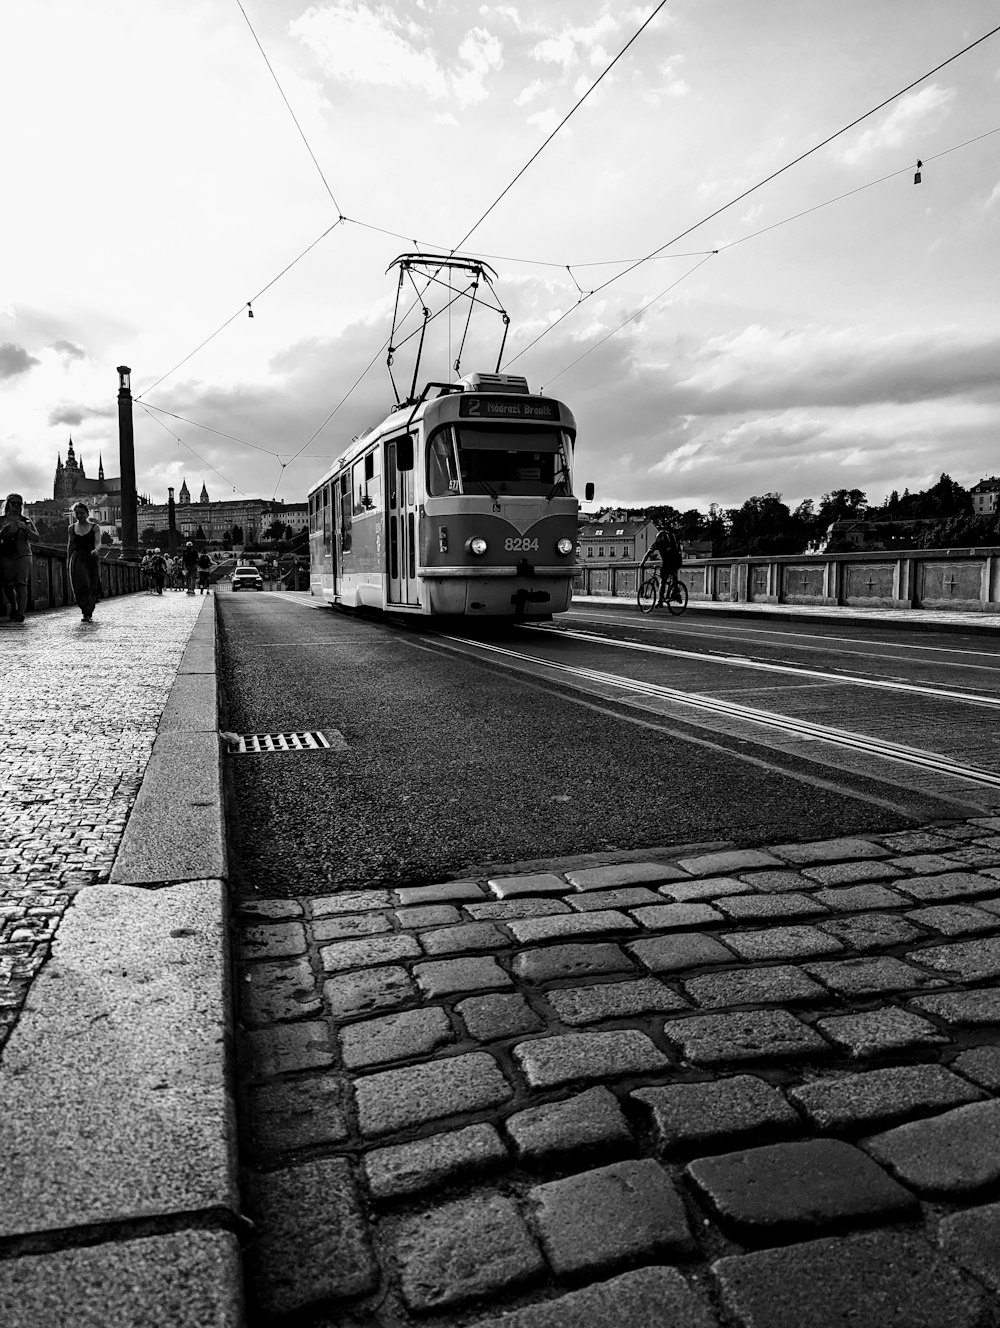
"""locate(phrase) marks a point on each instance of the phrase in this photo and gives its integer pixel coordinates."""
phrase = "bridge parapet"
(965, 580)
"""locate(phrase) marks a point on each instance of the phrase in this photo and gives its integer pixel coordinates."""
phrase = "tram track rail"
(803, 730)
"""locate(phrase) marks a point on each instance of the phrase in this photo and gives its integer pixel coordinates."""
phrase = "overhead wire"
(535, 155)
(825, 142)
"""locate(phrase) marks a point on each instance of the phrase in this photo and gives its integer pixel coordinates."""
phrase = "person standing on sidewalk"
(84, 564)
(189, 557)
(16, 532)
(204, 567)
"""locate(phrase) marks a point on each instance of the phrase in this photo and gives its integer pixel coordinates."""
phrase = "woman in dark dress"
(84, 566)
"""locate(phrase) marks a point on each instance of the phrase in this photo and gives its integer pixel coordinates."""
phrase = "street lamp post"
(171, 523)
(126, 447)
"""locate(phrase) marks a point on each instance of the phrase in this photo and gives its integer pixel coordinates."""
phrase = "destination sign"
(479, 407)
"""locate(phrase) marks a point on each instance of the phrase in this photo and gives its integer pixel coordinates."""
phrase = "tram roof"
(410, 413)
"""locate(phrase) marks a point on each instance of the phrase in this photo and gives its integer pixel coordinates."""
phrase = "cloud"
(922, 111)
(575, 45)
(372, 44)
(14, 360)
(546, 120)
(70, 350)
(483, 54)
(530, 92)
(71, 415)
(760, 368)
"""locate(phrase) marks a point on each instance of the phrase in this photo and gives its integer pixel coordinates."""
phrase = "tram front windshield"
(525, 462)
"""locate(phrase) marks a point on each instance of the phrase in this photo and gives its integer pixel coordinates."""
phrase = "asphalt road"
(453, 764)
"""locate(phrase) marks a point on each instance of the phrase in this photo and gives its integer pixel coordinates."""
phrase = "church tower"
(204, 494)
(184, 497)
(100, 467)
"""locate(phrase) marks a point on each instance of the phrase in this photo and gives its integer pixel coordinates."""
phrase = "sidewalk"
(921, 619)
(118, 1199)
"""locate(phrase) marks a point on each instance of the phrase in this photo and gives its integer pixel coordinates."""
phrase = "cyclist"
(668, 550)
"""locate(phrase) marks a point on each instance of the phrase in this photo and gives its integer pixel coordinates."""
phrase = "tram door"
(401, 515)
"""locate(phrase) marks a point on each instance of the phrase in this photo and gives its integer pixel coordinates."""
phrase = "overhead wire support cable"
(753, 235)
(287, 268)
(207, 427)
(631, 318)
(766, 180)
(180, 440)
(290, 111)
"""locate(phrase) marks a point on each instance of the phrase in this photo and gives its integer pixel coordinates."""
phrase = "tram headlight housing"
(564, 546)
(476, 546)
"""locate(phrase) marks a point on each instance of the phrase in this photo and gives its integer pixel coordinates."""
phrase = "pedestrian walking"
(189, 557)
(204, 567)
(84, 564)
(158, 570)
(16, 533)
(146, 572)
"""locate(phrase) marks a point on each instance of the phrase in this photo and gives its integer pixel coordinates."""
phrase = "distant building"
(873, 534)
(985, 497)
(254, 516)
(616, 539)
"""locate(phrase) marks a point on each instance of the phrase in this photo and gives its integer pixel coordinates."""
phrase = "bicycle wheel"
(677, 601)
(649, 593)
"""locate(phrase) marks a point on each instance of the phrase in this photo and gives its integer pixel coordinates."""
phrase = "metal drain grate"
(284, 742)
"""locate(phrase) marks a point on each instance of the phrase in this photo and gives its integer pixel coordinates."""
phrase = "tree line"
(938, 517)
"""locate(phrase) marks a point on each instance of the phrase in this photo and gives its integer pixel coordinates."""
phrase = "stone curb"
(119, 1181)
(792, 613)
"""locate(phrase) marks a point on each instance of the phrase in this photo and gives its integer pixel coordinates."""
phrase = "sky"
(844, 333)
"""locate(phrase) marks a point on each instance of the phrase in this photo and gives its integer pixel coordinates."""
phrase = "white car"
(247, 578)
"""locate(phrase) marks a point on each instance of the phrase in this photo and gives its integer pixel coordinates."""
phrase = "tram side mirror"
(404, 453)
(588, 494)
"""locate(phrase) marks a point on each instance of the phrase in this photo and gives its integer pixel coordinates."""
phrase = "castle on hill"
(71, 481)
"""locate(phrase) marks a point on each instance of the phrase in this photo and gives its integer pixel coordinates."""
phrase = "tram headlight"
(564, 545)
(476, 546)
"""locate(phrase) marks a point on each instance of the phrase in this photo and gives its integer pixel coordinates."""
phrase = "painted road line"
(740, 662)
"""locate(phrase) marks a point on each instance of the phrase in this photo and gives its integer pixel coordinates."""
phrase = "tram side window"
(327, 519)
(442, 467)
(346, 514)
(366, 484)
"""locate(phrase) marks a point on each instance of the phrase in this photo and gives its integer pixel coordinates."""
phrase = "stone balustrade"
(49, 585)
(965, 580)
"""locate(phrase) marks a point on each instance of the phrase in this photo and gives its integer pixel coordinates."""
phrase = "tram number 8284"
(459, 503)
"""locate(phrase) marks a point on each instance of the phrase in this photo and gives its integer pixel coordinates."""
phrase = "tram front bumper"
(502, 594)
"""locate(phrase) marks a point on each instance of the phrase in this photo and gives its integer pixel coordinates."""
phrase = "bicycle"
(676, 598)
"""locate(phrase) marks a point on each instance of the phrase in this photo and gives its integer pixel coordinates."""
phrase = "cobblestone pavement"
(752, 1088)
(79, 709)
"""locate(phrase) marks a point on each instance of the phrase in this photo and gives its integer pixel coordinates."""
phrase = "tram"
(459, 503)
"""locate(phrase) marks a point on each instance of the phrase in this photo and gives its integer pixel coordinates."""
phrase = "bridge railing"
(49, 584)
(965, 580)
